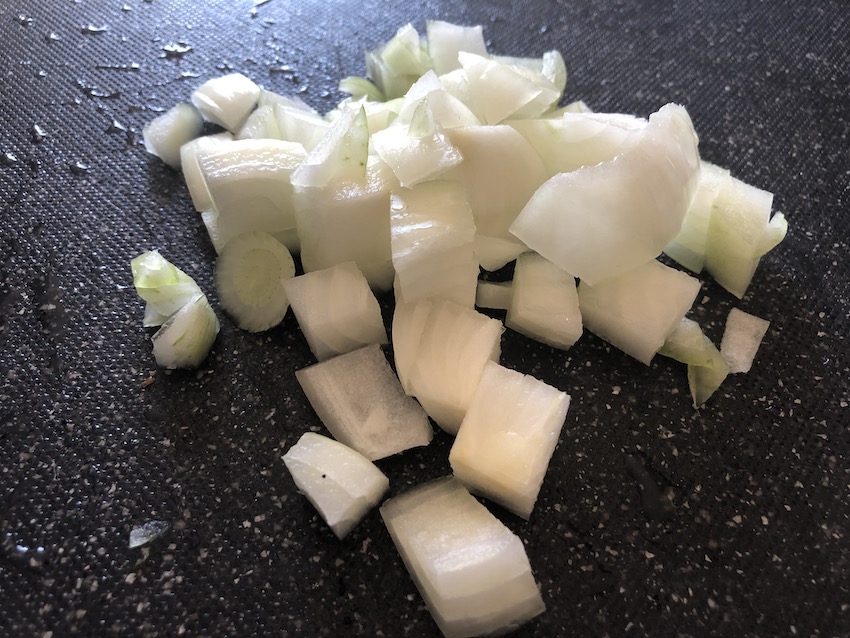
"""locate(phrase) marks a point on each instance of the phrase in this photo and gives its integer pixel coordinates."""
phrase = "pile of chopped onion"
(447, 161)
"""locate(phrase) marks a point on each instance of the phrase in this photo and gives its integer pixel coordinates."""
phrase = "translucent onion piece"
(298, 125)
(739, 223)
(336, 310)
(341, 155)
(500, 172)
(164, 287)
(442, 370)
(688, 344)
(191, 154)
(471, 570)
(432, 234)
(572, 140)
(494, 295)
(448, 111)
(249, 277)
(227, 100)
(165, 134)
(447, 40)
(507, 437)
(706, 380)
(348, 221)
(741, 339)
(261, 124)
(688, 247)
(248, 182)
(603, 220)
(361, 402)
(636, 311)
(544, 302)
(342, 484)
(187, 337)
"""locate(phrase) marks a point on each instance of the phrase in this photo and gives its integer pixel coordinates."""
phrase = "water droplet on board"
(24, 20)
(79, 168)
(8, 159)
(133, 66)
(151, 530)
(92, 29)
(37, 133)
(176, 51)
(53, 36)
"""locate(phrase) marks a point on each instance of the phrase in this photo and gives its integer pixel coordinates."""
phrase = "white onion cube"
(336, 310)
(507, 437)
(342, 484)
(471, 570)
(741, 339)
(636, 311)
(227, 100)
(361, 402)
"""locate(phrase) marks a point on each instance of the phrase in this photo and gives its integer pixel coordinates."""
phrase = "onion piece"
(470, 569)
(190, 159)
(443, 353)
(706, 367)
(336, 310)
(248, 182)
(507, 437)
(227, 100)
(166, 134)
(164, 287)
(432, 233)
(494, 295)
(500, 172)
(603, 220)
(261, 124)
(740, 233)
(398, 63)
(638, 310)
(741, 339)
(447, 40)
(249, 277)
(342, 484)
(544, 302)
(361, 402)
(186, 338)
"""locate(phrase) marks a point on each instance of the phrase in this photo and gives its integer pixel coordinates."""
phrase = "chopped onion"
(249, 276)
(544, 302)
(185, 339)
(470, 569)
(342, 484)
(167, 133)
(636, 311)
(741, 339)
(603, 220)
(707, 368)
(191, 154)
(227, 100)
(447, 40)
(507, 437)
(162, 285)
(336, 310)
(361, 402)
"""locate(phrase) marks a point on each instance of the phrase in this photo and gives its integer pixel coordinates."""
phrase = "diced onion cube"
(741, 339)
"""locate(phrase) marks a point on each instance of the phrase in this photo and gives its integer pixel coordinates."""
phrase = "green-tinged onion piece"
(706, 366)
(162, 285)
(186, 338)
(249, 277)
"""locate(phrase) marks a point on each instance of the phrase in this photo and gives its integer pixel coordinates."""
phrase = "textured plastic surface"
(653, 517)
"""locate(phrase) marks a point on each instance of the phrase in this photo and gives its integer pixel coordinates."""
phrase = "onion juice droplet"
(91, 29)
(79, 168)
(176, 51)
(38, 134)
(8, 159)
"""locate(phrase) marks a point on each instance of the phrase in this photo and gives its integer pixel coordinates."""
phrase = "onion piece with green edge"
(504, 445)
(360, 401)
(443, 363)
(227, 100)
(740, 232)
(186, 338)
(707, 369)
(603, 220)
(638, 310)
(470, 569)
(742, 337)
(164, 287)
(336, 310)
(688, 247)
(261, 124)
(432, 235)
(544, 302)
(166, 134)
(342, 484)
(249, 277)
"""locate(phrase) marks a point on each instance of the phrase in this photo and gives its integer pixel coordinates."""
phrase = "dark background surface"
(654, 518)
